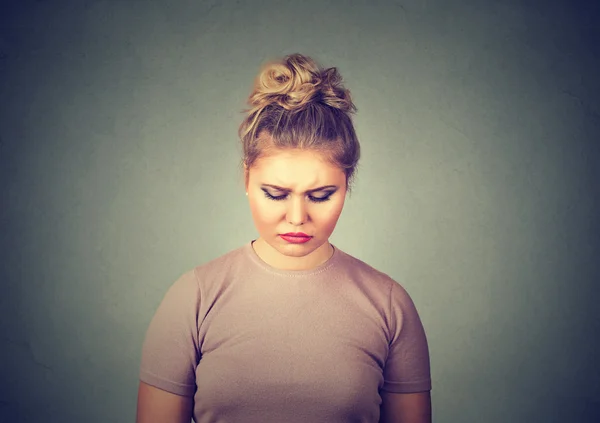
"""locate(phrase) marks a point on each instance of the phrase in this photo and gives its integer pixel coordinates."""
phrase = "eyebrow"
(308, 191)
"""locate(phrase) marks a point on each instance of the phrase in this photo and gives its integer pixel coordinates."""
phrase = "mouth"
(295, 239)
(296, 234)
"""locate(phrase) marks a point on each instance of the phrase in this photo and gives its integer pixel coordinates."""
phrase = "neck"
(276, 259)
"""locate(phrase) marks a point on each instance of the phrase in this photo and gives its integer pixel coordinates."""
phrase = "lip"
(296, 239)
(298, 234)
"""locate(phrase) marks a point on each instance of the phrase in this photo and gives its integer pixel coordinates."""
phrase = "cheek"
(333, 214)
(265, 212)
(269, 212)
(326, 215)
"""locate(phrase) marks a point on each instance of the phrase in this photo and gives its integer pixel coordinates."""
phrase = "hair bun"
(296, 81)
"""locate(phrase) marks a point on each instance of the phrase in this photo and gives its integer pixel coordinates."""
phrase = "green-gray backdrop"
(477, 189)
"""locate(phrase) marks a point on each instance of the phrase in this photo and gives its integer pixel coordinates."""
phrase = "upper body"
(289, 328)
(254, 343)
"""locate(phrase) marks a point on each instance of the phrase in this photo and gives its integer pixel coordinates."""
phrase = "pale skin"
(297, 210)
(157, 406)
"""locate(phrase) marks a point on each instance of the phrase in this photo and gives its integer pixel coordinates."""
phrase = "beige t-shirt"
(252, 343)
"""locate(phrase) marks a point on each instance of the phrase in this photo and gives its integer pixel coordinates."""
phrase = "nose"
(297, 211)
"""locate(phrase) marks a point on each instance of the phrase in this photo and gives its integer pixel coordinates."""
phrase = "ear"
(246, 177)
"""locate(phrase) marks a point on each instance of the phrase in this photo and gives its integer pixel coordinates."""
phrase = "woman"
(289, 328)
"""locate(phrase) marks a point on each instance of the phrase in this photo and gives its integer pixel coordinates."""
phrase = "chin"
(306, 247)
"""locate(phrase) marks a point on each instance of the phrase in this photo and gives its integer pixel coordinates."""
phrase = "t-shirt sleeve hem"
(407, 387)
(167, 385)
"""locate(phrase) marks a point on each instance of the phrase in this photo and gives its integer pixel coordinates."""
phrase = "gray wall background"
(477, 189)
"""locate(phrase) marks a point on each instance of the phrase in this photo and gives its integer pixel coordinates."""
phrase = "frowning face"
(295, 191)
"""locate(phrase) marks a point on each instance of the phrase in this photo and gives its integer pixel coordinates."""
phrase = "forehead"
(296, 168)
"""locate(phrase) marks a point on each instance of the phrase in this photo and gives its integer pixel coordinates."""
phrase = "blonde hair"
(296, 104)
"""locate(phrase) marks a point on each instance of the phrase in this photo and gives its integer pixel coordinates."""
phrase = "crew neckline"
(294, 273)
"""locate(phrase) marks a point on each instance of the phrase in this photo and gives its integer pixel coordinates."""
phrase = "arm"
(170, 354)
(157, 406)
(405, 408)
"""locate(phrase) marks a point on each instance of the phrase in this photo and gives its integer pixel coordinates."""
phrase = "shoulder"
(208, 277)
(355, 266)
(396, 295)
(188, 281)
(222, 262)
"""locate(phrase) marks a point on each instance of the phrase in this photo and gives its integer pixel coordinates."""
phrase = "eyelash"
(282, 197)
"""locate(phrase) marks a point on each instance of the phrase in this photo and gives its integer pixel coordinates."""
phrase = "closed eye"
(311, 198)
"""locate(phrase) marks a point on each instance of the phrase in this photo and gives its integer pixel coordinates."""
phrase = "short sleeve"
(170, 351)
(407, 368)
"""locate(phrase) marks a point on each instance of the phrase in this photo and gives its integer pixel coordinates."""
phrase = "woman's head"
(297, 105)
(300, 153)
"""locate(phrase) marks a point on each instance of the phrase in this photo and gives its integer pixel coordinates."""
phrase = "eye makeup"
(278, 188)
(311, 198)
